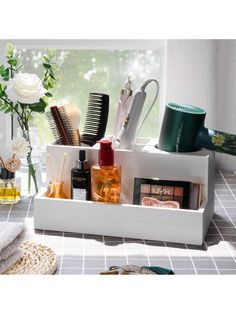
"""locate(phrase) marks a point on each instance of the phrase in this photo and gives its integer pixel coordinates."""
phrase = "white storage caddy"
(125, 219)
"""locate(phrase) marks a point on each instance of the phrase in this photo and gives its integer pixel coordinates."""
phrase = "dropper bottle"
(106, 176)
(80, 178)
(126, 96)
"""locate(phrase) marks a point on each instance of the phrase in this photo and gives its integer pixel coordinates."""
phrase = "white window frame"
(88, 44)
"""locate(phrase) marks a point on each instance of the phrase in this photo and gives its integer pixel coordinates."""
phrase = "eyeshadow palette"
(161, 193)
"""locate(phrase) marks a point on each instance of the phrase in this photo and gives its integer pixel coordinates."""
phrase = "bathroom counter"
(91, 254)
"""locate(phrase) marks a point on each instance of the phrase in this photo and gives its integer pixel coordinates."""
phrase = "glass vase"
(31, 166)
(31, 176)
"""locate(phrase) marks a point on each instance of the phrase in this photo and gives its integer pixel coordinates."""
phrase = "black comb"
(96, 118)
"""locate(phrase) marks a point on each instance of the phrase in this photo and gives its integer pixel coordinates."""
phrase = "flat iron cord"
(154, 100)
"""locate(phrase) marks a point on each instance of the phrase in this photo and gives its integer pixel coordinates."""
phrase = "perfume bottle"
(106, 177)
(80, 178)
(9, 187)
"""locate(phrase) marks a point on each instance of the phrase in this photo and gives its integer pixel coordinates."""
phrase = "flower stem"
(32, 173)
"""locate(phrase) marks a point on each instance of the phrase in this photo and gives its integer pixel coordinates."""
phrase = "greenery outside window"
(96, 66)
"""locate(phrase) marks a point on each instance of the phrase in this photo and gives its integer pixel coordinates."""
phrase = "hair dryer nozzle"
(180, 127)
(183, 131)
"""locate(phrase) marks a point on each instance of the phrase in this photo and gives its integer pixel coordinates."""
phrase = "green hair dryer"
(183, 131)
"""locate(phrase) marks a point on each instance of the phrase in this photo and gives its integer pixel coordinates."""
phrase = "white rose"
(26, 88)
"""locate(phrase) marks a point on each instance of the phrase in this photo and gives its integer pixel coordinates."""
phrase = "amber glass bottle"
(9, 187)
(106, 177)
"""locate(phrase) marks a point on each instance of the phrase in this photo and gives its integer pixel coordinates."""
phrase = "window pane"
(104, 71)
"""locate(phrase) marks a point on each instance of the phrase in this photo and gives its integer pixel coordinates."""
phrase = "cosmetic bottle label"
(79, 194)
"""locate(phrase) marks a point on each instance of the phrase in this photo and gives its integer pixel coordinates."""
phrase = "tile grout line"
(191, 258)
(227, 185)
(62, 252)
(126, 253)
(168, 253)
(9, 212)
(83, 249)
(225, 211)
(66, 267)
(146, 250)
(223, 240)
(226, 244)
(104, 250)
(210, 255)
(30, 202)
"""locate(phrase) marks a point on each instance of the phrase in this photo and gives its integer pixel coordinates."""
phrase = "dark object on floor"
(137, 270)
(96, 118)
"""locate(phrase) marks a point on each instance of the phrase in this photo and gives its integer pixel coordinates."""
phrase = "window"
(97, 66)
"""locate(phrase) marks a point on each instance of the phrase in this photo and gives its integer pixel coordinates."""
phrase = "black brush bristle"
(54, 129)
(68, 126)
(96, 118)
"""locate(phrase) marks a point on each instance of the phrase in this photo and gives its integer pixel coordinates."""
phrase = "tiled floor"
(90, 254)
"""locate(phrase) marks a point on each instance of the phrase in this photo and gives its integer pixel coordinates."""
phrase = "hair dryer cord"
(143, 87)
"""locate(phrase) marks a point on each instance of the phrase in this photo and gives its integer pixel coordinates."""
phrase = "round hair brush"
(183, 130)
(74, 115)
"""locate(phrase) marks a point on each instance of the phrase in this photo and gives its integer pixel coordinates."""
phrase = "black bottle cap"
(6, 174)
(82, 162)
(82, 155)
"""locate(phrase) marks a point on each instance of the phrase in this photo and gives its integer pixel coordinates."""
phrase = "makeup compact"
(161, 193)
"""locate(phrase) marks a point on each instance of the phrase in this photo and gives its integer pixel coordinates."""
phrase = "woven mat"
(38, 259)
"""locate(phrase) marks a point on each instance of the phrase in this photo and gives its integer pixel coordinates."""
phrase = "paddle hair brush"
(183, 130)
(96, 118)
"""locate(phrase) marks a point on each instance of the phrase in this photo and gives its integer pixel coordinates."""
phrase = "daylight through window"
(104, 71)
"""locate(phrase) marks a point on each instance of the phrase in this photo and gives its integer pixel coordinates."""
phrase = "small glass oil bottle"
(80, 179)
(106, 176)
(9, 187)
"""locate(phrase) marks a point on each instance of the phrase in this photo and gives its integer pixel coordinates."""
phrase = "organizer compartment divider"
(125, 219)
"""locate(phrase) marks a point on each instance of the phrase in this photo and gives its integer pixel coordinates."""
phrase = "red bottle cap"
(106, 153)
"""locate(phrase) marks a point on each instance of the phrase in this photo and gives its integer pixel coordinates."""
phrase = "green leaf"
(2, 93)
(12, 62)
(7, 110)
(39, 107)
(30, 118)
(6, 78)
(1, 69)
(5, 73)
(9, 49)
(51, 53)
(46, 59)
(47, 66)
(48, 94)
(52, 75)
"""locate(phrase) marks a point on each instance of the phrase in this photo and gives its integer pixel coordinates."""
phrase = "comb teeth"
(96, 118)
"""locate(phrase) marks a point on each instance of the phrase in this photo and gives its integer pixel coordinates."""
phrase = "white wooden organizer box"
(127, 220)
